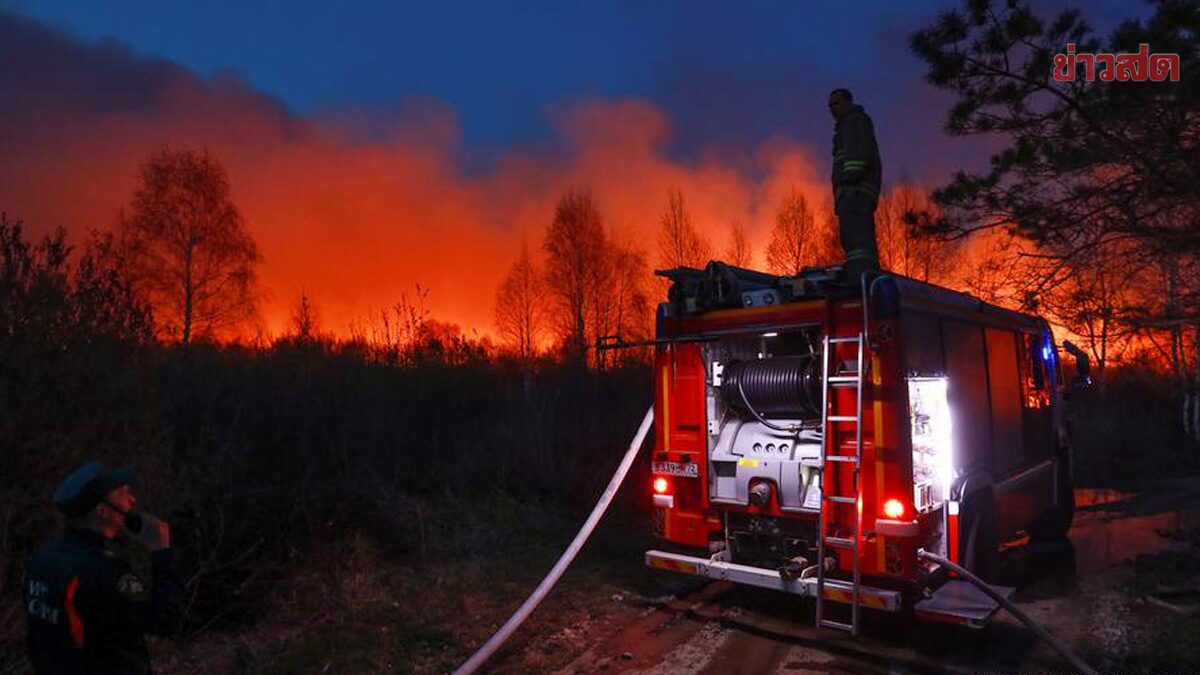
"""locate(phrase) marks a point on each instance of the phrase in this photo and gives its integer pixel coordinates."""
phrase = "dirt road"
(1086, 592)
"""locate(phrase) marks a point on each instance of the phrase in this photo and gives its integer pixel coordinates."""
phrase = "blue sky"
(728, 74)
(724, 74)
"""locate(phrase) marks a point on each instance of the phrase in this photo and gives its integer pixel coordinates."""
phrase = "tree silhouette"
(903, 248)
(596, 286)
(1090, 160)
(576, 261)
(306, 324)
(738, 253)
(186, 247)
(793, 244)
(520, 312)
(1095, 302)
(621, 305)
(679, 244)
(1092, 163)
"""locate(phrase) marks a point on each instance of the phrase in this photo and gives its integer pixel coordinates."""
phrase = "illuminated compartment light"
(932, 439)
(893, 508)
(661, 485)
(770, 334)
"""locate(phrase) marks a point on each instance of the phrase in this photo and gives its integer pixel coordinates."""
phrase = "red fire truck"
(811, 434)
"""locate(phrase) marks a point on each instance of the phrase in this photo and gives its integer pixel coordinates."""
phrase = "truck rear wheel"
(981, 545)
(1055, 523)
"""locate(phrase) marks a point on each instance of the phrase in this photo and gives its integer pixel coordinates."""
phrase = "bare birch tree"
(679, 244)
(792, 245)
(187, 249)
(519, 307)
(575, 246)
(739, 253)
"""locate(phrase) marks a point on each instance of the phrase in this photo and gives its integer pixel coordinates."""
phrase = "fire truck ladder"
(831, 463)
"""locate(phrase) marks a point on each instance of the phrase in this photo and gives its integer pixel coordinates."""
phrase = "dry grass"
(369, 610)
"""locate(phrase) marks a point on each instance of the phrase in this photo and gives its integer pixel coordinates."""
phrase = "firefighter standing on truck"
(857, 175)
(91, 595)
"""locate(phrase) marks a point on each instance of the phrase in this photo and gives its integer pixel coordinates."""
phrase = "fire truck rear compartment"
(764, 406)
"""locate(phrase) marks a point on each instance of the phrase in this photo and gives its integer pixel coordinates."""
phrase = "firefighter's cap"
(83, 489)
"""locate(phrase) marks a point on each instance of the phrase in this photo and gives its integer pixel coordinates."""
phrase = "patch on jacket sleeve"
(130, 585)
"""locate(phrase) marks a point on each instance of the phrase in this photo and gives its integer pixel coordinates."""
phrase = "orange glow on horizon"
(356, 226)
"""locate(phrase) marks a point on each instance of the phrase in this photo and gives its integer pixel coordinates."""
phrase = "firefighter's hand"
(155, 534)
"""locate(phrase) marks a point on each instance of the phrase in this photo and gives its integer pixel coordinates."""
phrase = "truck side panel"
(680, 446)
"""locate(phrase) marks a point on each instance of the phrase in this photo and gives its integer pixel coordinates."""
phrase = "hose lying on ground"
(485, 652)
(1058, 646)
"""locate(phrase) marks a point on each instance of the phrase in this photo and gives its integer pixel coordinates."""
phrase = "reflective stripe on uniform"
(851, 188)
(856, 253)
(74, 621)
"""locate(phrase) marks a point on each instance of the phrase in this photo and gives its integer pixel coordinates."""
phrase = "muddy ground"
(1121, 593)
(1117, 593)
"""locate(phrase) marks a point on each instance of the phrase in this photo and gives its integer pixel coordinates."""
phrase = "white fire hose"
(1058, 646)
(501, 636)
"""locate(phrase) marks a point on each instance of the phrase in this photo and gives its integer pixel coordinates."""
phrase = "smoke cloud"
(356, 207)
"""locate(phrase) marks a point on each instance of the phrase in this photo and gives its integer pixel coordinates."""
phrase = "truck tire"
(981, 545)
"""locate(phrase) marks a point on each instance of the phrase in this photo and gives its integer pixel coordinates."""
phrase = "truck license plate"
(689, 470)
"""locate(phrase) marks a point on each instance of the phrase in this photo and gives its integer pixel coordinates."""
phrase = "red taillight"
(893, 508)
(661, 485)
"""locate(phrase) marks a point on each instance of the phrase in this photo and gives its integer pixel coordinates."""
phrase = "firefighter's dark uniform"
(88, 604)
(857, 176)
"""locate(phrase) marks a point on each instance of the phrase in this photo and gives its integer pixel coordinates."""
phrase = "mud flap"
(960, 602)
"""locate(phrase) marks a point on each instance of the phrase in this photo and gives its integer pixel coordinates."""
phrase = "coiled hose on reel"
(787, 386)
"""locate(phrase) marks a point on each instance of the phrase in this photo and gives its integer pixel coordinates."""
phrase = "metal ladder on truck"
(832, 464)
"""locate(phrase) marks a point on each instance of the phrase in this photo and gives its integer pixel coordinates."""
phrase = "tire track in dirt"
(696, 634)
(719, 630)
(747, 654)
(644, 642)
(773, 644)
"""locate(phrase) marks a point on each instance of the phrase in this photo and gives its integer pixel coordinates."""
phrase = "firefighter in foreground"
(91, 595)
(857, 174)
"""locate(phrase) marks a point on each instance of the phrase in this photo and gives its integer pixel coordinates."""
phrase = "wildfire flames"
(355, 224)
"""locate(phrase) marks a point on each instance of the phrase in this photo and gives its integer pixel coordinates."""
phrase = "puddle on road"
(1105, 538)
(1098, 497)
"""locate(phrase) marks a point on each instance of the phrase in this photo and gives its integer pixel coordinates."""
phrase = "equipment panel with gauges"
(764, 405)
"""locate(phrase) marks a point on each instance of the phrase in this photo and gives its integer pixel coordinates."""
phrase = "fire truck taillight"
(894, 509)
(661, 485)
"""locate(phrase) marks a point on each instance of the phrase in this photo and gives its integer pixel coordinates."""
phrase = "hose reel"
(783, 386)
